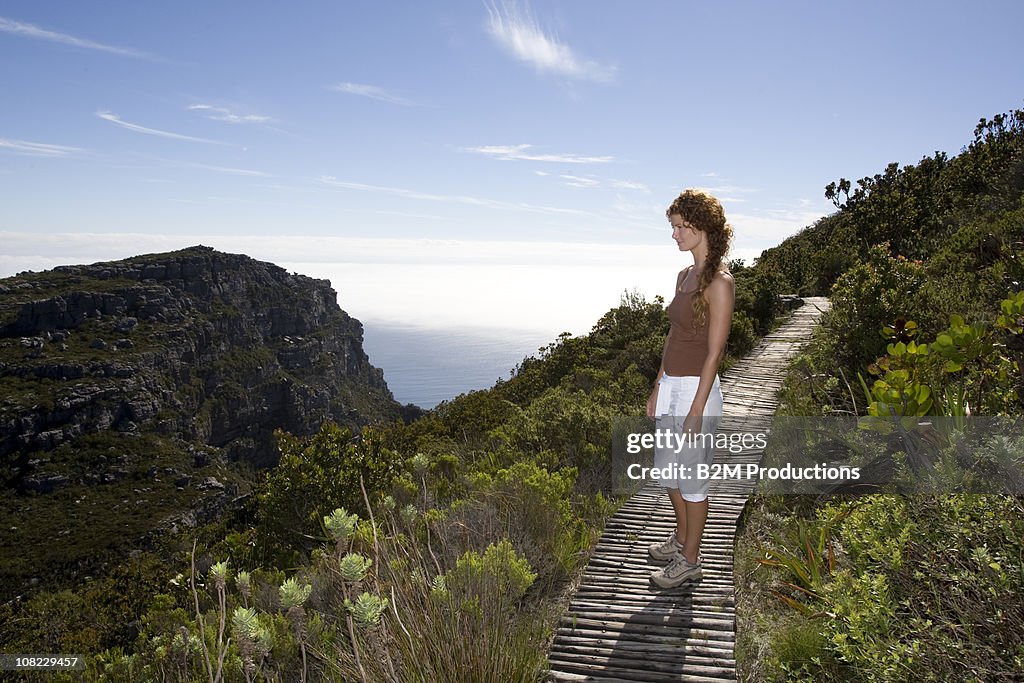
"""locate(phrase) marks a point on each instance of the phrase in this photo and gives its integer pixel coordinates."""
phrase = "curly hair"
(704, 212)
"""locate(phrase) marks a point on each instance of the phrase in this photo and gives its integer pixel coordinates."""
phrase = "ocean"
(425, 366)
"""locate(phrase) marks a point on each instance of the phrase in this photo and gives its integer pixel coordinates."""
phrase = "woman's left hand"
(692, 423)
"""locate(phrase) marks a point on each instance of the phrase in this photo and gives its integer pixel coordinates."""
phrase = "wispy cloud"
(518, 152)
(224, 114)
(229, 170)
(519, 33)
(32, 31)
(629, 185)
(114, 118)
(768, 228)
(371, 91)
(454, 199)
(590, 181)
(729, 192)
(577, 181)
(37, 149)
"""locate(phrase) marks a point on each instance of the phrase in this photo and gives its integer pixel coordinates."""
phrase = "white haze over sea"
(440, 317)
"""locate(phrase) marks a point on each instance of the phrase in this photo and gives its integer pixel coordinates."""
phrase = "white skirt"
(680, 455)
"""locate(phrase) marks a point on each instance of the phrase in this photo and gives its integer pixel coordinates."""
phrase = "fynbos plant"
(367, 609)
(353, 567)
(292, 596)
(243, 582)
(340, 524)
(254, 640)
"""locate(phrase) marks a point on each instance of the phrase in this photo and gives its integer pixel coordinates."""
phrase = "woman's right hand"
(652, 402)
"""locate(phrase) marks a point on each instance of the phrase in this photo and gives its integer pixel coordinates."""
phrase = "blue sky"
(438, 159)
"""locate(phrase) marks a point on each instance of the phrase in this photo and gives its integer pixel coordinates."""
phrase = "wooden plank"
(706, 647)
(612, 629)
(643, 666)
(619, 626)
(626, 639)
(679, 657)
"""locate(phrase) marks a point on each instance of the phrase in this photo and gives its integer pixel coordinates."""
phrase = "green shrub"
(864, 299)
(327, 470)
(567, 422)
(499, 572)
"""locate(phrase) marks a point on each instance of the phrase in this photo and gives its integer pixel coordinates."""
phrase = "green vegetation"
(923, 266)
(472, 522)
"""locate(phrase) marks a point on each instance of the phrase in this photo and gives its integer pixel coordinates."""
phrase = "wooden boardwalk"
(620, 627)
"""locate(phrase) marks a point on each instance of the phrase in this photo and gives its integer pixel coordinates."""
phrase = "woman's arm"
(721, 295)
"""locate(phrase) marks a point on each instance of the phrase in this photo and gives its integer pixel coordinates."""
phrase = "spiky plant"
(292, 596)
(244, 583)
(353, 567)
(340, 524)
(367, 609)
(246, 629)
(220, 573)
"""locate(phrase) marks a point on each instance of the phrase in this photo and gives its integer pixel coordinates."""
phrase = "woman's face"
(685, 235)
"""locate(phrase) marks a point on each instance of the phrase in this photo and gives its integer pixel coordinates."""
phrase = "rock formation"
(139, 397)
(201, 345)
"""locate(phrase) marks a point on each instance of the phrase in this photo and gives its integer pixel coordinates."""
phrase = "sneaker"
(678, 571)
(664, 551)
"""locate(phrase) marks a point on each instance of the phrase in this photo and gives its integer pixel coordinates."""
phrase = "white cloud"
(372, 91)
(518, 152)
(224, 114)
(769, 228)
(114, 118)
(629, 185)
(31, 31)
(591, 181)
(455, 199)
(231, 171)
(518, 32)
(729, 189)
(37, 149)
(577, 181)
(727, 194)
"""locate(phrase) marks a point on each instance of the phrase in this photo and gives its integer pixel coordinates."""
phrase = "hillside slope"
(137, 394)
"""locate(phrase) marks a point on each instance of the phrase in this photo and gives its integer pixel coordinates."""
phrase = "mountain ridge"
(145, 391)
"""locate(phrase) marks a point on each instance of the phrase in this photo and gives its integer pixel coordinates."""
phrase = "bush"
(327, 470)
(568, 423)
(864, 299)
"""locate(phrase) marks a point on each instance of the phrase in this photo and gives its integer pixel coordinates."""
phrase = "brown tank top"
(687, 347)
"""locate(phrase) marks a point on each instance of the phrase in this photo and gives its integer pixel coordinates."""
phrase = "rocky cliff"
(163, 375)
(207, 346)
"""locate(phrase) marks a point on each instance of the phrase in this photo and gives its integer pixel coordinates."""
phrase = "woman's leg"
(667, 411)
(696, 500)
(696, 516)
(681, 515)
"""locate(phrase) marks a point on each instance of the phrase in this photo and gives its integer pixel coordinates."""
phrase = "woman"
(686, 392)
